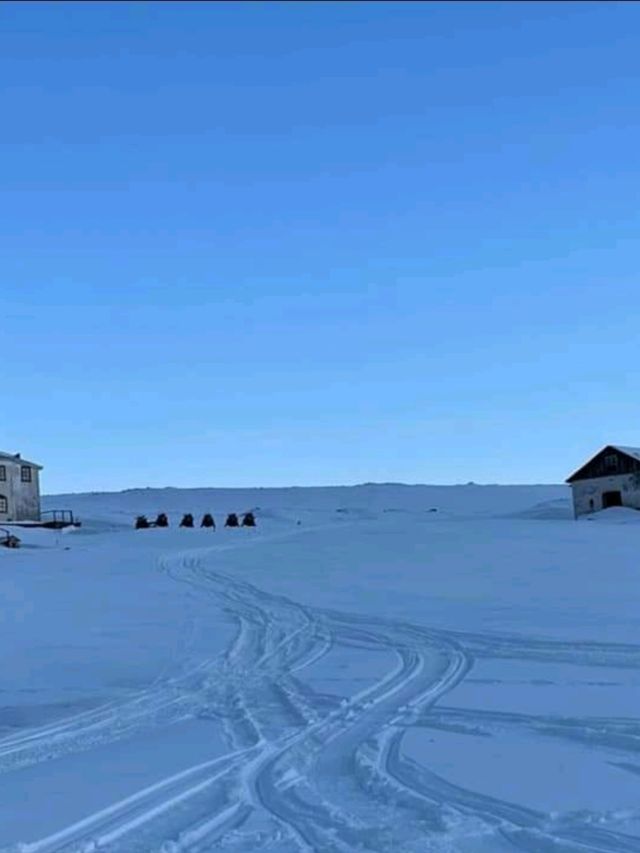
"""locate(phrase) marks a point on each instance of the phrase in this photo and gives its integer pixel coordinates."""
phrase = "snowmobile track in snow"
(313, 777)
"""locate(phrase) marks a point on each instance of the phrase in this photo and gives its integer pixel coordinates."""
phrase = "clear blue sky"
(264, 244)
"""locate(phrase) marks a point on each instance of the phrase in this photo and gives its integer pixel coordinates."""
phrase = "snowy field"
(378, 668)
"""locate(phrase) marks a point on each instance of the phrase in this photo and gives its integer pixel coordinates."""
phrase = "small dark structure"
(58, 519)
(161, 520)
(7, 539)
(249, 520)
(208, 521)
(187, 520)
(232, 520)
(52, 519)
(142, 523)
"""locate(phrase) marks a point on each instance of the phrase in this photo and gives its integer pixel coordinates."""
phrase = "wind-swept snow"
(383, 668)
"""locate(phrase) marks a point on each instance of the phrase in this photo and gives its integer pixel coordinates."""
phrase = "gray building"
(610, 478)
(19, 488)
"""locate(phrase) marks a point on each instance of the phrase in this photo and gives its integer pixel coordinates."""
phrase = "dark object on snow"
(187, 520)
(433, 509)
(57, 519)
(142, 522)
(208, 520)
(232, 520)
(249, 520)
(7, 539)
(161, 520)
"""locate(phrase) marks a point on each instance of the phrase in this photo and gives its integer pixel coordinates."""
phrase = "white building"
(610, 478)
(19, 488)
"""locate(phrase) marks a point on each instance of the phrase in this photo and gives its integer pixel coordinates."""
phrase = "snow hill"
(368, 500)
(374, 668)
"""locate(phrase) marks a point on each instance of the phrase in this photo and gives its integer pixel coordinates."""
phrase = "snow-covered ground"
(377, 668)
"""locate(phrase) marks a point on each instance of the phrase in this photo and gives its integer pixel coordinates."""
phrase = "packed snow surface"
(378, 668)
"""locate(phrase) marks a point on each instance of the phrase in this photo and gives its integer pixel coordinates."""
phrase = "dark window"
(4, 504)
(3, 473)
(611, 461)
(25, 474)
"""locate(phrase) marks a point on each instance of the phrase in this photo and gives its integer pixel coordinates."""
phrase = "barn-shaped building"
(19, 488)
(610, 478)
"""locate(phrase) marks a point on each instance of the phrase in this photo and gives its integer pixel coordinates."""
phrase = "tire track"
(311, 777)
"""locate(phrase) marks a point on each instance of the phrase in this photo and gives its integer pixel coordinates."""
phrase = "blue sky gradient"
(270, 244)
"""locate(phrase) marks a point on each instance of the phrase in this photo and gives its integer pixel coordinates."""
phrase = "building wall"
(26, 497)
(585, 491)
(6, 489)
(23, 498)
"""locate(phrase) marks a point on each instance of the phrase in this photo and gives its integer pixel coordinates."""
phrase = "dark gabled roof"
(18, 460)
(632, 452)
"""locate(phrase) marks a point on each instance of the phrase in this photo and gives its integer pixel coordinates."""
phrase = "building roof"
(630, 451)
(15, 457)
(633, 452)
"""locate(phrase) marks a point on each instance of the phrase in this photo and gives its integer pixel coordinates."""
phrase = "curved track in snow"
(302, 774)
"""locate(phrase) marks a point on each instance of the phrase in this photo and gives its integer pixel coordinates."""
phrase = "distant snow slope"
(358, 673)
(370, 499)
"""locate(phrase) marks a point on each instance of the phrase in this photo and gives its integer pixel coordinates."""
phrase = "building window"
(3, 473)
(4, 504)
(611, 461)
(25, 474)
